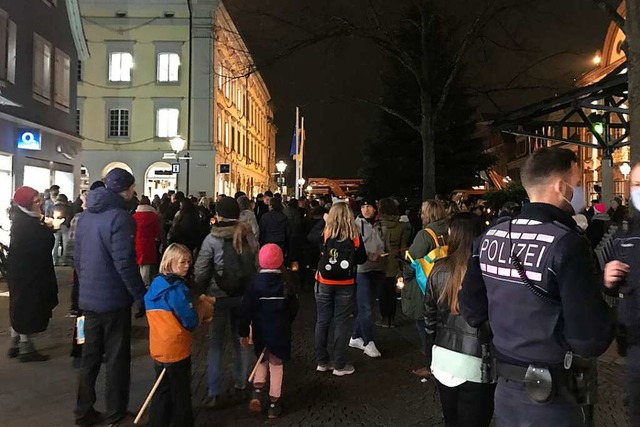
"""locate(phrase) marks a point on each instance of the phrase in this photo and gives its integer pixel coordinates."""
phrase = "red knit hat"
(600, 208)
(270, 257)
(24, 196)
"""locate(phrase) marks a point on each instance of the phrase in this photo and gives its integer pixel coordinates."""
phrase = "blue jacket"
(270, 310)
(105, 255)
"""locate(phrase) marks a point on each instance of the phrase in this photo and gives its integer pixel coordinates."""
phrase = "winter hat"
(600, 208)
(96, 184)
(369, 202)
(119, 180)
(270, 257)
(228, 208)
(24, 196)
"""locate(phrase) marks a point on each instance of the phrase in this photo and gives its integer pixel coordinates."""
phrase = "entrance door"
(159, 179)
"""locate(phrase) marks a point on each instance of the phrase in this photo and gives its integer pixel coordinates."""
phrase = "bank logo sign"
(29, 139)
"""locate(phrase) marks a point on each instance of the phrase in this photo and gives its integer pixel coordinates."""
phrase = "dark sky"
(570, 31)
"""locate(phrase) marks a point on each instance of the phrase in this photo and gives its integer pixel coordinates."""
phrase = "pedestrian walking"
(172, 316)
(533, 278)
(109, 283)
(147, 236)
(225, 264)
(456, 355)
(342, 251)
(186, 228)
(248, 216)
(274, 226)
(268, 307)
(262, 204)
(61, 210)
(369, 279)
(33, 288)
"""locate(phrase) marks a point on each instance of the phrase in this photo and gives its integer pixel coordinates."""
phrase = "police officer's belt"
(541, 383)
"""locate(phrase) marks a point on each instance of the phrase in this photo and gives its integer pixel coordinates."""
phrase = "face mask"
(577, 199)
(635, 198)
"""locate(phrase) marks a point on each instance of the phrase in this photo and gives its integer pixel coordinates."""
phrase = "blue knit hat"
(119, 180)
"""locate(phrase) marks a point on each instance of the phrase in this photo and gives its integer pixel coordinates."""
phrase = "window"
(227, 83)
(168, 67)
(119, 123)
(219, 129)
(233, 91)
(167, 121)
(78, 121)
(226, 134)
(79, 70)
(120, 65)
(233, 138)
(42, 53)
(220, 76)
(62, 88)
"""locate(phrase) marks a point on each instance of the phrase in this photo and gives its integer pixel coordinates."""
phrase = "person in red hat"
(33, 288)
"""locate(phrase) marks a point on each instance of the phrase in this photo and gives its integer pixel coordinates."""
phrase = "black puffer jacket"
(444, 329)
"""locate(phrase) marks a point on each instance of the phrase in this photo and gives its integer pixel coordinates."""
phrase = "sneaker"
(275, 409)
(382, 323)
(255, 404)
(324, 367)
(33, 356)
(347, 370)
(356, 343)
(13, 352)
(371, 350)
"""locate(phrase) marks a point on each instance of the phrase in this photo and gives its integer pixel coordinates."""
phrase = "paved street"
(381, 393)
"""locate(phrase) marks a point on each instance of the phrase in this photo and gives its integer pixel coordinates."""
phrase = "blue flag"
(294, 149)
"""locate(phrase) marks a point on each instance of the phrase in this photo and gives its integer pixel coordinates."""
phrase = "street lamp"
(281, 167)
(625, 169)
(301, 182)
(177, 145)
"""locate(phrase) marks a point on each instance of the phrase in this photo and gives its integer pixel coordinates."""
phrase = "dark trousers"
(75, 292)
(387, 298)
(108, 334)
(632, 383)
(514, 408)
(333, 303)
(171, 404)
(467, 405)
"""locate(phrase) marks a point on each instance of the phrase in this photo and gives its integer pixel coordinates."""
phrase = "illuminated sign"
(175, 167)
(29, 139)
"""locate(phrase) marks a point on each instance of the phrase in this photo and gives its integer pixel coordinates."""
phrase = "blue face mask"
(635, 198)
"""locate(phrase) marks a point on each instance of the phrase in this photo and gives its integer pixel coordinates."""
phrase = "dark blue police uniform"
(542, 308)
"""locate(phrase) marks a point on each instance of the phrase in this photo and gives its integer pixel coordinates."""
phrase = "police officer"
(623, 275)
(534, 279)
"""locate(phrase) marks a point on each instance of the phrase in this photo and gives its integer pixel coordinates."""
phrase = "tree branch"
(392, 112)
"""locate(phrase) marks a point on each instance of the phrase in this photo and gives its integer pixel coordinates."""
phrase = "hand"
(614, 272)
(204, 306)
(374, 257)
(244, 342)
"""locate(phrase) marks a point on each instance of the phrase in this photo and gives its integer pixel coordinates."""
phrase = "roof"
(77, 31)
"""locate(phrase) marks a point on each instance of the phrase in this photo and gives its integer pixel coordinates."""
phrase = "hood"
(161, 285)
(145, 208)
(440, 227)
(103, 199)
(390, 221)
(226, 230)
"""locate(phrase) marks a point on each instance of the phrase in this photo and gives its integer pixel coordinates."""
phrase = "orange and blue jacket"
(171, 316)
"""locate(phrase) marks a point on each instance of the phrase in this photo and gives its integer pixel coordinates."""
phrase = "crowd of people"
(505, 307)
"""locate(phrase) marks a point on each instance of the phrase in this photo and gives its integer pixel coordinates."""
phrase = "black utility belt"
(540, 382)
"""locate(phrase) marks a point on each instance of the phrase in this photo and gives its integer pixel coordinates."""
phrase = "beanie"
(600, 208)
(118, 180)
(96, 184)
(270, 257)
(24, 197)
(228, 208)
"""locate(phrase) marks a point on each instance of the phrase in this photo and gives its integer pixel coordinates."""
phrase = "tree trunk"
(632, 30)
(427, 135)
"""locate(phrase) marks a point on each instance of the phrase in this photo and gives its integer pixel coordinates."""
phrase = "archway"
(114, 165)
(159, 179)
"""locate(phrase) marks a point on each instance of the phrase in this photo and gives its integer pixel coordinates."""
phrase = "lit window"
(119, 123)
(120, 65)
(220, 76)
(167, 120)
(219, 132)
(168, 67)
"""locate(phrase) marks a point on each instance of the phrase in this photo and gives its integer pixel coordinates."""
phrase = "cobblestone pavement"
(382, 392)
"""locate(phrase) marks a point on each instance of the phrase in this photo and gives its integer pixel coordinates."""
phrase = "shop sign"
(175, 167)
(224, 168)
(29, 139)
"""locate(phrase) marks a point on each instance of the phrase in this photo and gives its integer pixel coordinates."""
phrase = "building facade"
(39, 145)
(141, 88)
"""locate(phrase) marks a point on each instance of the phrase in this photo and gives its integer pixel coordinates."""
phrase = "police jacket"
(443, 328)
(557, 261)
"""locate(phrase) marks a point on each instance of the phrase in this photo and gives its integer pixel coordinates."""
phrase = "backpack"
(238, 269)
(337, 259)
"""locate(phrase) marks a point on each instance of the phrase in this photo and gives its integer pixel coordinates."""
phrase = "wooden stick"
(153, 390)
(255, 368)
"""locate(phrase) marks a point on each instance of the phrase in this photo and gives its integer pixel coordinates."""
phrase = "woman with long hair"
(185, 228)
(456, 354)
(341, 251)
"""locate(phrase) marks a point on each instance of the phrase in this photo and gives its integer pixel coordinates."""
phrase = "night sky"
(323, 78)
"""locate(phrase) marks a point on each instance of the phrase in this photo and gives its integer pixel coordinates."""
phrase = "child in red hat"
(268, 307)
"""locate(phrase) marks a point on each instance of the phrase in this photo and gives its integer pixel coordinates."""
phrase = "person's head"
(62, 198)
(239, 194)
(314, 203)
(144, 200)
(122, 182)
(292, 203)
(616, 202)
(268, 195)
(551, 175)
(187, 205)
(432, 211)
(176, 260)
(368, 208)
(477, 210)
(634, 181)
(244, 203)
(204, 202)
(156, 198)
(29, 199)
(96, 184)
(227, 209)
(259, 197)
(388, 206)
(450, 208)
(464, 227)
(275, 204)
(54, 190)
(341, 223)
(270, 257)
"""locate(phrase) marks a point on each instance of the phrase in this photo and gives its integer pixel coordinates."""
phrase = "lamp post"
(281, 167)
(301, 182)
(177, 145)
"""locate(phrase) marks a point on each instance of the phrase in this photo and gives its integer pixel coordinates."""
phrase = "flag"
(294, 148)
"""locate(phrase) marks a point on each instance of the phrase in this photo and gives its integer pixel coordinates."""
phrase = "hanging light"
(177, 144)
(625, 169)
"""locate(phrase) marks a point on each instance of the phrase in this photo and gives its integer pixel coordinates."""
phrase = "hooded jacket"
(211, 256)
(395, 235)
(105, 256)
(249, 217)
(147, 232)
(171, 317)
(423, 244)
(371, 232)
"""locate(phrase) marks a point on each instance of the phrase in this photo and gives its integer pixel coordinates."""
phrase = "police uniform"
(542, 308)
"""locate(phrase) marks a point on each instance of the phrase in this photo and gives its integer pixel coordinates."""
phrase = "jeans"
(171, 404)
(333, 303)
(467, 405)
(366, 285)
(108, 334)
(226, 317)
(387, 298)
(61, 239)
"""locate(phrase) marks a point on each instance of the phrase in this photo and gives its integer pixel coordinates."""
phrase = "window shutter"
(12, 52)
(4, 24)
(46, 70)
(38, 66)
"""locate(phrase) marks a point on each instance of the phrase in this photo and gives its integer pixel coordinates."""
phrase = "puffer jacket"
(105, 256)
(396, 239)
(211, 256)
(147, 234)
(443, 328)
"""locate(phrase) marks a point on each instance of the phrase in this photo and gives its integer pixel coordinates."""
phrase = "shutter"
(37, 65)
(66, 80)
(12, 52)
(46, 70)
(4, 23)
